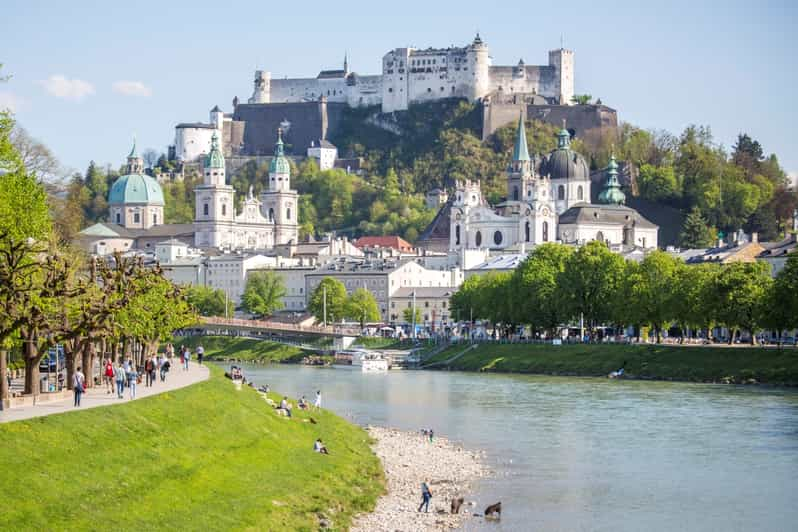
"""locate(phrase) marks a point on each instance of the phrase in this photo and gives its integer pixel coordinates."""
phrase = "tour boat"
(373, 362)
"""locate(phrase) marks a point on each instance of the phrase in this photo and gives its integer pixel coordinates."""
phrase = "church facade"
(271, 219)
(548, 200)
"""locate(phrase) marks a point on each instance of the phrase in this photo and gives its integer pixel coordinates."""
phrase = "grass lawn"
(698, 364)
(241, 348)
(206, 457)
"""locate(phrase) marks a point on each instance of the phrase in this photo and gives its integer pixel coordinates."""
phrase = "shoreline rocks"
(408, 458)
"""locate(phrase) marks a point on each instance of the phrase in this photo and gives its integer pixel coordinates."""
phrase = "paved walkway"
(94, 397)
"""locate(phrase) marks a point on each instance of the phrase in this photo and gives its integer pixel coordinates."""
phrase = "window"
(479, 238)
(457, 235)
(561, 192)
(118, 218)
(579, 193)
(288, 213)
(136, 218)
(497, 238)
(224, 209)
(429, 89)
(205, 209)
(545, 231)
(426, 304)
(154, 219)
(390, 89)
(515, 193)
(526, 231)
(271, 215)
(443, 304)
(600, 236)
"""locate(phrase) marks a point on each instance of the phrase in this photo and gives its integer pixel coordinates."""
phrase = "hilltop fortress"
(411, 75)
(310, 110)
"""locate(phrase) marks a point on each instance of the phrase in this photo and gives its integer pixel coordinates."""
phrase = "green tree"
(264, 293)
(581, 99)
(695, 232)
(693, 286)
(96, 182)
(739, 296)
(654, 292)
(781, 302)
(209, 301)
(363, 307)
(465, 303)
(535, 293)
(407, 314)
(590, 282)
(328, 301)
(658, 183)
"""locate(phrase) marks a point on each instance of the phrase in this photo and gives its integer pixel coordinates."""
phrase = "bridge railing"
(335, 330)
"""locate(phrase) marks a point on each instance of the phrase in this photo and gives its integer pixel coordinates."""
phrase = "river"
(590, 454)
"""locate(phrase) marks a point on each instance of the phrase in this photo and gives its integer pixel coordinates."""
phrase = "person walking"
(317, 402)
(153, 366)
(132, 376)
(186, 358)
(170, 351)
(148, 372)
(120, 375)
(165, 365)
(426, 495)
(108, 377)
(78, 385)
(200, 353)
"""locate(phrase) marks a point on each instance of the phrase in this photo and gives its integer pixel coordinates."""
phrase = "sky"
(88, 76)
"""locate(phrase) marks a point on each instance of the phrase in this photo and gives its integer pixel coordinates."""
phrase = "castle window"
(205, 209)
(479, 238)
(441, 89)
(545, 231)
(497, 238)
(429, 89)
(390, 89)
(579, 193)
(561, 192)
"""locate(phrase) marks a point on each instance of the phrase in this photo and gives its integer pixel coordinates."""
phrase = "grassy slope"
(701, 364)
(242, 348)
(205, 457)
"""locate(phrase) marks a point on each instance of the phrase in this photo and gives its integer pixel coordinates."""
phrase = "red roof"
(395, 242)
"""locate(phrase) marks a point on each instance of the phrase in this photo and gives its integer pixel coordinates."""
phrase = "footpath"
(98, 396)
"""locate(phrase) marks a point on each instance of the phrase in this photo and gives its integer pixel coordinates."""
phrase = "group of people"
(125, 373)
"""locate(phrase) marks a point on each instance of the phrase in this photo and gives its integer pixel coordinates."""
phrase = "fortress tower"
(479, 63)
(262, 89)
(563, 62)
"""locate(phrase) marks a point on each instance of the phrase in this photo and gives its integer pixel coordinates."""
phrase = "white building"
(193, 139)
(324, 152)
(172, 250)
(262, 223)
(432, 302)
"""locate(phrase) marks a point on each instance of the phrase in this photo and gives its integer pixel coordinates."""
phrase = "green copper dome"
(135, 188)
(279, 164)
(612, 193)
(214, 159)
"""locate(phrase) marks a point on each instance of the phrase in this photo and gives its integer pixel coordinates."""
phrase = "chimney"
(754, 237)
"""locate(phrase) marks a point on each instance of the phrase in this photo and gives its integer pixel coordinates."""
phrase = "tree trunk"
(69, 358)
(658, 332)
(4, 391)
(32, 358)
(115, 351)
(86, 362)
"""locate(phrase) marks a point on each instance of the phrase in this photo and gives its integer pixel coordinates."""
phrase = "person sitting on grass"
(285, 405)
(319, 447)
(302, 403)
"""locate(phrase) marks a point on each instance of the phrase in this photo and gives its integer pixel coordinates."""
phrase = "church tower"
(279, 201)
(519, 173)
(215, 209)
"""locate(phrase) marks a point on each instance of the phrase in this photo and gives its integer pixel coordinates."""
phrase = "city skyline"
(89, 80)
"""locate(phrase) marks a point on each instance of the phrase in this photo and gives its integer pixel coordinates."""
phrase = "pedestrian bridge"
(343, 335)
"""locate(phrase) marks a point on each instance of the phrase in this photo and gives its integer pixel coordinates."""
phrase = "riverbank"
(242, 349)
(205, 457)
(730, 365)
(409, 458)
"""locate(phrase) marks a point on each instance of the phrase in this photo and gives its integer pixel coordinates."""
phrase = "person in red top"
(108, 376)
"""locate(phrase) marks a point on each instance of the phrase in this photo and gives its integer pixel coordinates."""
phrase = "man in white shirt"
(78, 385)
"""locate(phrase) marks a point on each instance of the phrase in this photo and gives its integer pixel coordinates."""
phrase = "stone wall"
(579, 119)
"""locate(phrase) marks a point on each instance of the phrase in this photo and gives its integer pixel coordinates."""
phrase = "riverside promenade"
(97, 396)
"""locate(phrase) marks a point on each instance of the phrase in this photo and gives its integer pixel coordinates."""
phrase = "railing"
(331, 330)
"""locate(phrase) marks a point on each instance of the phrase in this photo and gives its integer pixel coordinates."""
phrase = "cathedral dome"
(279, 164)
(565, 163)
(136, 188)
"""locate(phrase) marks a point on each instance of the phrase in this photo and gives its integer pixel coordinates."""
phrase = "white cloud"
(67, 89)
(132, 88)
(10, 101)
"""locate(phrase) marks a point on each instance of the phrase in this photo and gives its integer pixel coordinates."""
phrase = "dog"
(494, 509)
(456, 504)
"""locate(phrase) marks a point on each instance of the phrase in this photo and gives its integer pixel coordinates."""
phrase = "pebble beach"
(408, 458)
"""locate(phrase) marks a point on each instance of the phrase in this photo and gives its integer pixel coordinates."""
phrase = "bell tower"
(279, 202)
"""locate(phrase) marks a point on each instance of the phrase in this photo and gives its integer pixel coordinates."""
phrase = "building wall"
(325, 156)
(137, 216)
(435, 311)
(192, 142)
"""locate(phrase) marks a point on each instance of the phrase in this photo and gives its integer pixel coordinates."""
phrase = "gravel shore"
(408, 458)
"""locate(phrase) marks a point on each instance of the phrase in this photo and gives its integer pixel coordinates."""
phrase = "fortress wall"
(582, 119)
(537, 79)
(304, 89)
(367, 91)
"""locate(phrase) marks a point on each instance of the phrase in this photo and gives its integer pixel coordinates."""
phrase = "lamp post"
(414, 314)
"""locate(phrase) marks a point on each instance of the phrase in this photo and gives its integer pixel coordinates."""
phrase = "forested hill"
(687, 177)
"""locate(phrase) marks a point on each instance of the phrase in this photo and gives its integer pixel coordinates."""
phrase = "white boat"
(373, 363)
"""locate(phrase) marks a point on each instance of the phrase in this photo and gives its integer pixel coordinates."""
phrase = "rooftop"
(604, 214)
(395, 242)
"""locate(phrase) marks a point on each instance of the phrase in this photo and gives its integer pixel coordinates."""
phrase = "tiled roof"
(395, 242)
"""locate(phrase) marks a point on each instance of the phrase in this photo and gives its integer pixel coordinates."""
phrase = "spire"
(279, 149)
(346, 63)
(612, 193)
(135, 164)
(520, 152)
(133, 154)
(563, 138)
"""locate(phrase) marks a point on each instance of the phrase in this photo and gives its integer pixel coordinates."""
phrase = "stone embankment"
(409, 458)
